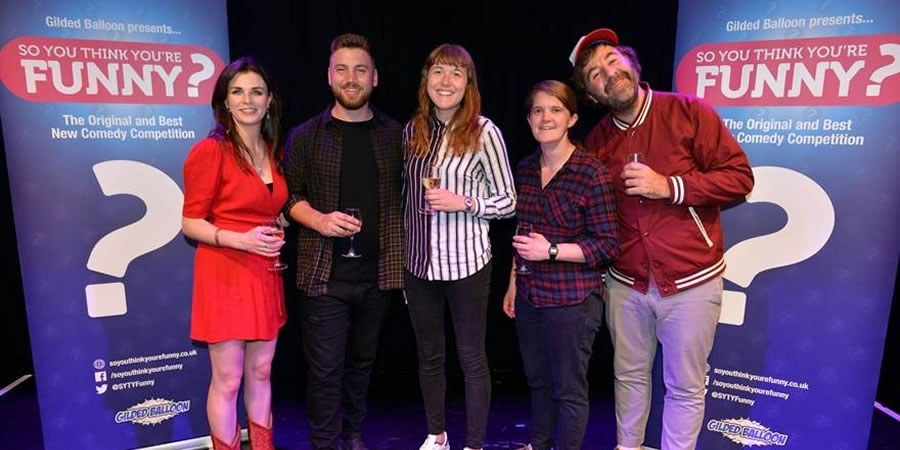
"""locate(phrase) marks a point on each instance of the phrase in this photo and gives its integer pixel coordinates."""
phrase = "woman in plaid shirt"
(567, 197)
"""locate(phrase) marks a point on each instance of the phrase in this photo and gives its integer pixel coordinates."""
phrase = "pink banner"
(46, 69)
(845, 70)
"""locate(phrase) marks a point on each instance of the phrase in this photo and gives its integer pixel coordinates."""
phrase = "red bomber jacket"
(678, 240)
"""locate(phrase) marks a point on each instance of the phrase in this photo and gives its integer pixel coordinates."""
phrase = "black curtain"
(514, 45)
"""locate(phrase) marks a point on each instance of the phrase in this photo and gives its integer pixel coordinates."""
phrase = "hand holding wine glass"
(641, 180)
(336, 224)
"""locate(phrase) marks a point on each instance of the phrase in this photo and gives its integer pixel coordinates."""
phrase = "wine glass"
(278, 231)
(634, 157)
(351, 252)
(523, 229)
(430, 180)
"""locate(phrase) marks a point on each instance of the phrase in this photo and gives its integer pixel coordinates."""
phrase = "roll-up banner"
(101, 102)
(810, 90)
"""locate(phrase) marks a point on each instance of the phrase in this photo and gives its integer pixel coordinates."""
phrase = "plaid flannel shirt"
(312, 167)
(577, 206)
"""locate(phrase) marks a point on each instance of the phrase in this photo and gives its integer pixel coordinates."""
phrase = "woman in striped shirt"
(457, 178)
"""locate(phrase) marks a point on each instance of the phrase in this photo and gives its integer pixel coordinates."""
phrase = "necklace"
(257, 160)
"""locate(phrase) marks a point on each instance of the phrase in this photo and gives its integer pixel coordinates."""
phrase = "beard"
(616, 98)
(351, 104)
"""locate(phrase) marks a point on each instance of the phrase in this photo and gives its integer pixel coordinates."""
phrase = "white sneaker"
(432, 444)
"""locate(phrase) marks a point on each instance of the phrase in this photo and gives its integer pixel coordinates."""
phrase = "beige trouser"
(685, 325)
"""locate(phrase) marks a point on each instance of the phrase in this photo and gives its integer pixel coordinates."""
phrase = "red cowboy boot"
(235, 442)
(260, 436)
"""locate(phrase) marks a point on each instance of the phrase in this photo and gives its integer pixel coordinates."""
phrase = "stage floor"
(394, 423)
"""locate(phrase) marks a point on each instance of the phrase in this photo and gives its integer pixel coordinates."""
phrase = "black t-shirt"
(359, 189)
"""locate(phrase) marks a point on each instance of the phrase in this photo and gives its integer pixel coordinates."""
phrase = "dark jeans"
(340, 338)
(468, 300)
(556, 345)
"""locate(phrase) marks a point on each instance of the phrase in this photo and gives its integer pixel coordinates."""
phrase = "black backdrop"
(514, 44)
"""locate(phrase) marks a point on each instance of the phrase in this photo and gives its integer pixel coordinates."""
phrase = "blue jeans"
(468, 300)
(556, 345)
(340, 338)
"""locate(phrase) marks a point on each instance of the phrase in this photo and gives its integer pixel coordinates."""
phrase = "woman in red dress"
(233, 186)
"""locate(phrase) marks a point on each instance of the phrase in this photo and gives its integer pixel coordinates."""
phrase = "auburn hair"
(464, 129)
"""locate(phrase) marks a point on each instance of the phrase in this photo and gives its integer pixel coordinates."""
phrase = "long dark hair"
(225, 128)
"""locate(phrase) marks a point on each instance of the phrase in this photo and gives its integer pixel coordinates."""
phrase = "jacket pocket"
(700, 226)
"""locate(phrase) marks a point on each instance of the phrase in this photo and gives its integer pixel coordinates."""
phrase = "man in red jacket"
(674, 164)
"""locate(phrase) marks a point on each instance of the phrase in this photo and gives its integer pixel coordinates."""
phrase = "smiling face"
(549, 119)
(611, 79)
(446, 87)
(352, 77)
(248, 99)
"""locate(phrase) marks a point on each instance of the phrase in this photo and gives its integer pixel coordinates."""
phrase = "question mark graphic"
(892, 50)
(208, 70)
(113, 252)
(810, 221)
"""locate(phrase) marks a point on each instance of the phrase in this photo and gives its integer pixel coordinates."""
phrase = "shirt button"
(665, 289)
(645, 265)
(646, 233)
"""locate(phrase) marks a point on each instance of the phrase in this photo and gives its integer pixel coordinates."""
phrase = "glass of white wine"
(278, 231)
(351, 252)
(430, 180)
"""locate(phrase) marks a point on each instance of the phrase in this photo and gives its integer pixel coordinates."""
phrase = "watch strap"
(553, 251)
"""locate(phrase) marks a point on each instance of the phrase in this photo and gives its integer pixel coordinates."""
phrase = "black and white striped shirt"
(452, 246)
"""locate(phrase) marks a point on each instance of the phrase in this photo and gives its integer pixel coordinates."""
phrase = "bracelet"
(217, 237)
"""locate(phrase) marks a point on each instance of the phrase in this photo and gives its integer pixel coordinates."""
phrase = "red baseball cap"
(598, 36)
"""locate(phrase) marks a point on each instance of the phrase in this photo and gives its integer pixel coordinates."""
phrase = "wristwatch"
(553, 251)
(470, 204)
